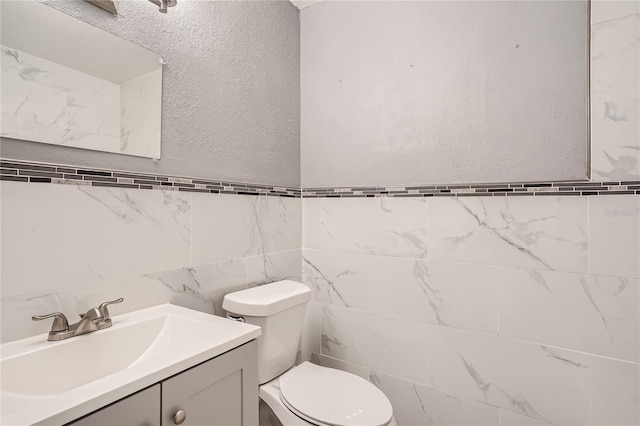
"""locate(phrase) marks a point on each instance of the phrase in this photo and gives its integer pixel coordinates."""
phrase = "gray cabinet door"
(140, 409)
(219, 392)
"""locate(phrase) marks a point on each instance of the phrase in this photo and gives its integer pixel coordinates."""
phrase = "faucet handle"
(103, 308)
(60, 322)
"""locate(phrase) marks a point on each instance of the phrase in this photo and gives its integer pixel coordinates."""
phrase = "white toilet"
(307, 394)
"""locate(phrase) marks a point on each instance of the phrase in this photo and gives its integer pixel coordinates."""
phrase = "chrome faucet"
(93, 320)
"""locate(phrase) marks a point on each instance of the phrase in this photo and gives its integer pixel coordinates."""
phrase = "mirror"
(65, 82)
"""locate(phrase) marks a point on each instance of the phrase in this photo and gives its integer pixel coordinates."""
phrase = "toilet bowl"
(306, 394)
(309, 394)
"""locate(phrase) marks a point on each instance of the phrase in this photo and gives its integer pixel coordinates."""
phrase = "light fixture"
(163, 4)
(110, 5)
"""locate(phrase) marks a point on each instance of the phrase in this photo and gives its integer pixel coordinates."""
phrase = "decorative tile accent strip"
(481, 190)
(24, 171)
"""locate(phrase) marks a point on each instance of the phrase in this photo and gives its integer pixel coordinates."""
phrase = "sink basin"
(60, 368)
(56, 382)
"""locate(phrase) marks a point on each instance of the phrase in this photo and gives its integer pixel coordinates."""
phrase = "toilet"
(306, 394)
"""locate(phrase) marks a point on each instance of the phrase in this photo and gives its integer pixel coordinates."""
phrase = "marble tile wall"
(481, 310)
(69, 247)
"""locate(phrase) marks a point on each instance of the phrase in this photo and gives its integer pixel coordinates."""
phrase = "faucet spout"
(88, 322)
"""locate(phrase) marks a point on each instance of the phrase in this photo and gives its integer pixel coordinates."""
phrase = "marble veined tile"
(267, 268)
(616, 393)
(459, 295)
(614, 235)
(532, 232)
(61, 235)
(615, 140)
(145, 291)
(311, 208)
(416, 404)
(337, 364)
(312, 328)
(10, 125)
(200, 287)
(337, 278)
(277, 224)
(382, 226)
(509, 418)
(606, 10)
(234, 226)
(221, 227)
(590, 313)
(16, 310)
(393, 346)
(615, 59)
(552, 385)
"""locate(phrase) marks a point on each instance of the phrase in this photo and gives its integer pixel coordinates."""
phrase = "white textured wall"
(231, 89)
(442, 92)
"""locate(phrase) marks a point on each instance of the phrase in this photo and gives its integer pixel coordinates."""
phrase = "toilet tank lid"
(266, 299)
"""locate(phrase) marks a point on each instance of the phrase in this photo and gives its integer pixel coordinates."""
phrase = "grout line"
(479, 264)
(591, 392)
(588, 235)
(499, 284)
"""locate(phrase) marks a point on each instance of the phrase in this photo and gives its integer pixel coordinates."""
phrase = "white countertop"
(178, 338)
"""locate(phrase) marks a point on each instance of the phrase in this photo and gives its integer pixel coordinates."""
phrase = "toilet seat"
(329, 397)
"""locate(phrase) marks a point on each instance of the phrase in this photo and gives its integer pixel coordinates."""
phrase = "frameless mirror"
(65, 82)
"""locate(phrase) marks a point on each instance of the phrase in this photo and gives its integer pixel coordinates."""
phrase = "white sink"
(56, 382)
(55, 369)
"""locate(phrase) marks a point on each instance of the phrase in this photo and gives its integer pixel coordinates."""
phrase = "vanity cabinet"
(139, 409)
(220, 392)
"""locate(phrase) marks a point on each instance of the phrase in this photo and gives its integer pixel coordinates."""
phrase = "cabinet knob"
(179, 417)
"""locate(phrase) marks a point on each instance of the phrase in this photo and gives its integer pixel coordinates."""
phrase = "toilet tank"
(278, 308)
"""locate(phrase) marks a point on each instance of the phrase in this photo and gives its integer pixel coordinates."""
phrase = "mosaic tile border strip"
(23, 171)
(481, 190)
